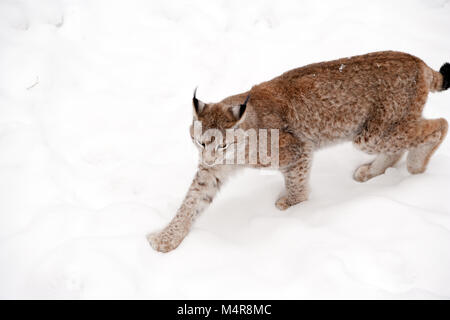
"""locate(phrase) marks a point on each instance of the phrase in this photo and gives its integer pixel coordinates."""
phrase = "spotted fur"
(374, 100)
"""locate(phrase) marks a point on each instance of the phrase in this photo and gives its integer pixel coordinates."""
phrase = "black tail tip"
(445, 71)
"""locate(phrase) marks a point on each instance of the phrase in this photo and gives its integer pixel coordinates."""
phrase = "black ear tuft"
(239, 110)
(195, 100)
(198, 104)
(243, 107)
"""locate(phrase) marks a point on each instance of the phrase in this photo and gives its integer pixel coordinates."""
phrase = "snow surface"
(95, 153)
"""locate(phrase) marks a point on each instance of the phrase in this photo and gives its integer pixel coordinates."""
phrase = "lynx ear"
(238, 111)
(198, 105)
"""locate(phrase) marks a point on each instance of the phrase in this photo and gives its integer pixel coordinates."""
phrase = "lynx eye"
(201, 145)
(222, 146)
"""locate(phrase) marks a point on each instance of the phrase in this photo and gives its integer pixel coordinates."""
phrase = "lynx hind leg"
(431, 133)
(377, 166)
(421, 137)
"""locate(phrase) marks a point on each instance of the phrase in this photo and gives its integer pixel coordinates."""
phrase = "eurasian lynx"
(373, 100)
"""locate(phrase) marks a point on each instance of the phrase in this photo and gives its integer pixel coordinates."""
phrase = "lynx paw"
(162, 242)
(284, 203)
(362, 174)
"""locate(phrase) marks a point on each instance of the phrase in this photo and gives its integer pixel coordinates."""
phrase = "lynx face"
(212, 130)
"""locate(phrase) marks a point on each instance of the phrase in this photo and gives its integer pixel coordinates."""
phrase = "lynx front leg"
(204, 187)
(296, 181)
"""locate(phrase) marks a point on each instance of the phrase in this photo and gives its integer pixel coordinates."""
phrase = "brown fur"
(374, 100)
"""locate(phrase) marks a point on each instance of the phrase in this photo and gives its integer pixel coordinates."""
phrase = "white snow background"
(95, 105)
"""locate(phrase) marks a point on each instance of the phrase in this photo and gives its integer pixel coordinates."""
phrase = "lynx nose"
(208, 159)
(209, 164)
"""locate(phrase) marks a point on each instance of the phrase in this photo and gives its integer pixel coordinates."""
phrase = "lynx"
(373, 100)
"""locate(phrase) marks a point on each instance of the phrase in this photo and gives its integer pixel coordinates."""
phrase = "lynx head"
(213, 126)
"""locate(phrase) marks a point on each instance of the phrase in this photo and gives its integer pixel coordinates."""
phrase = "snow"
(95, 153)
